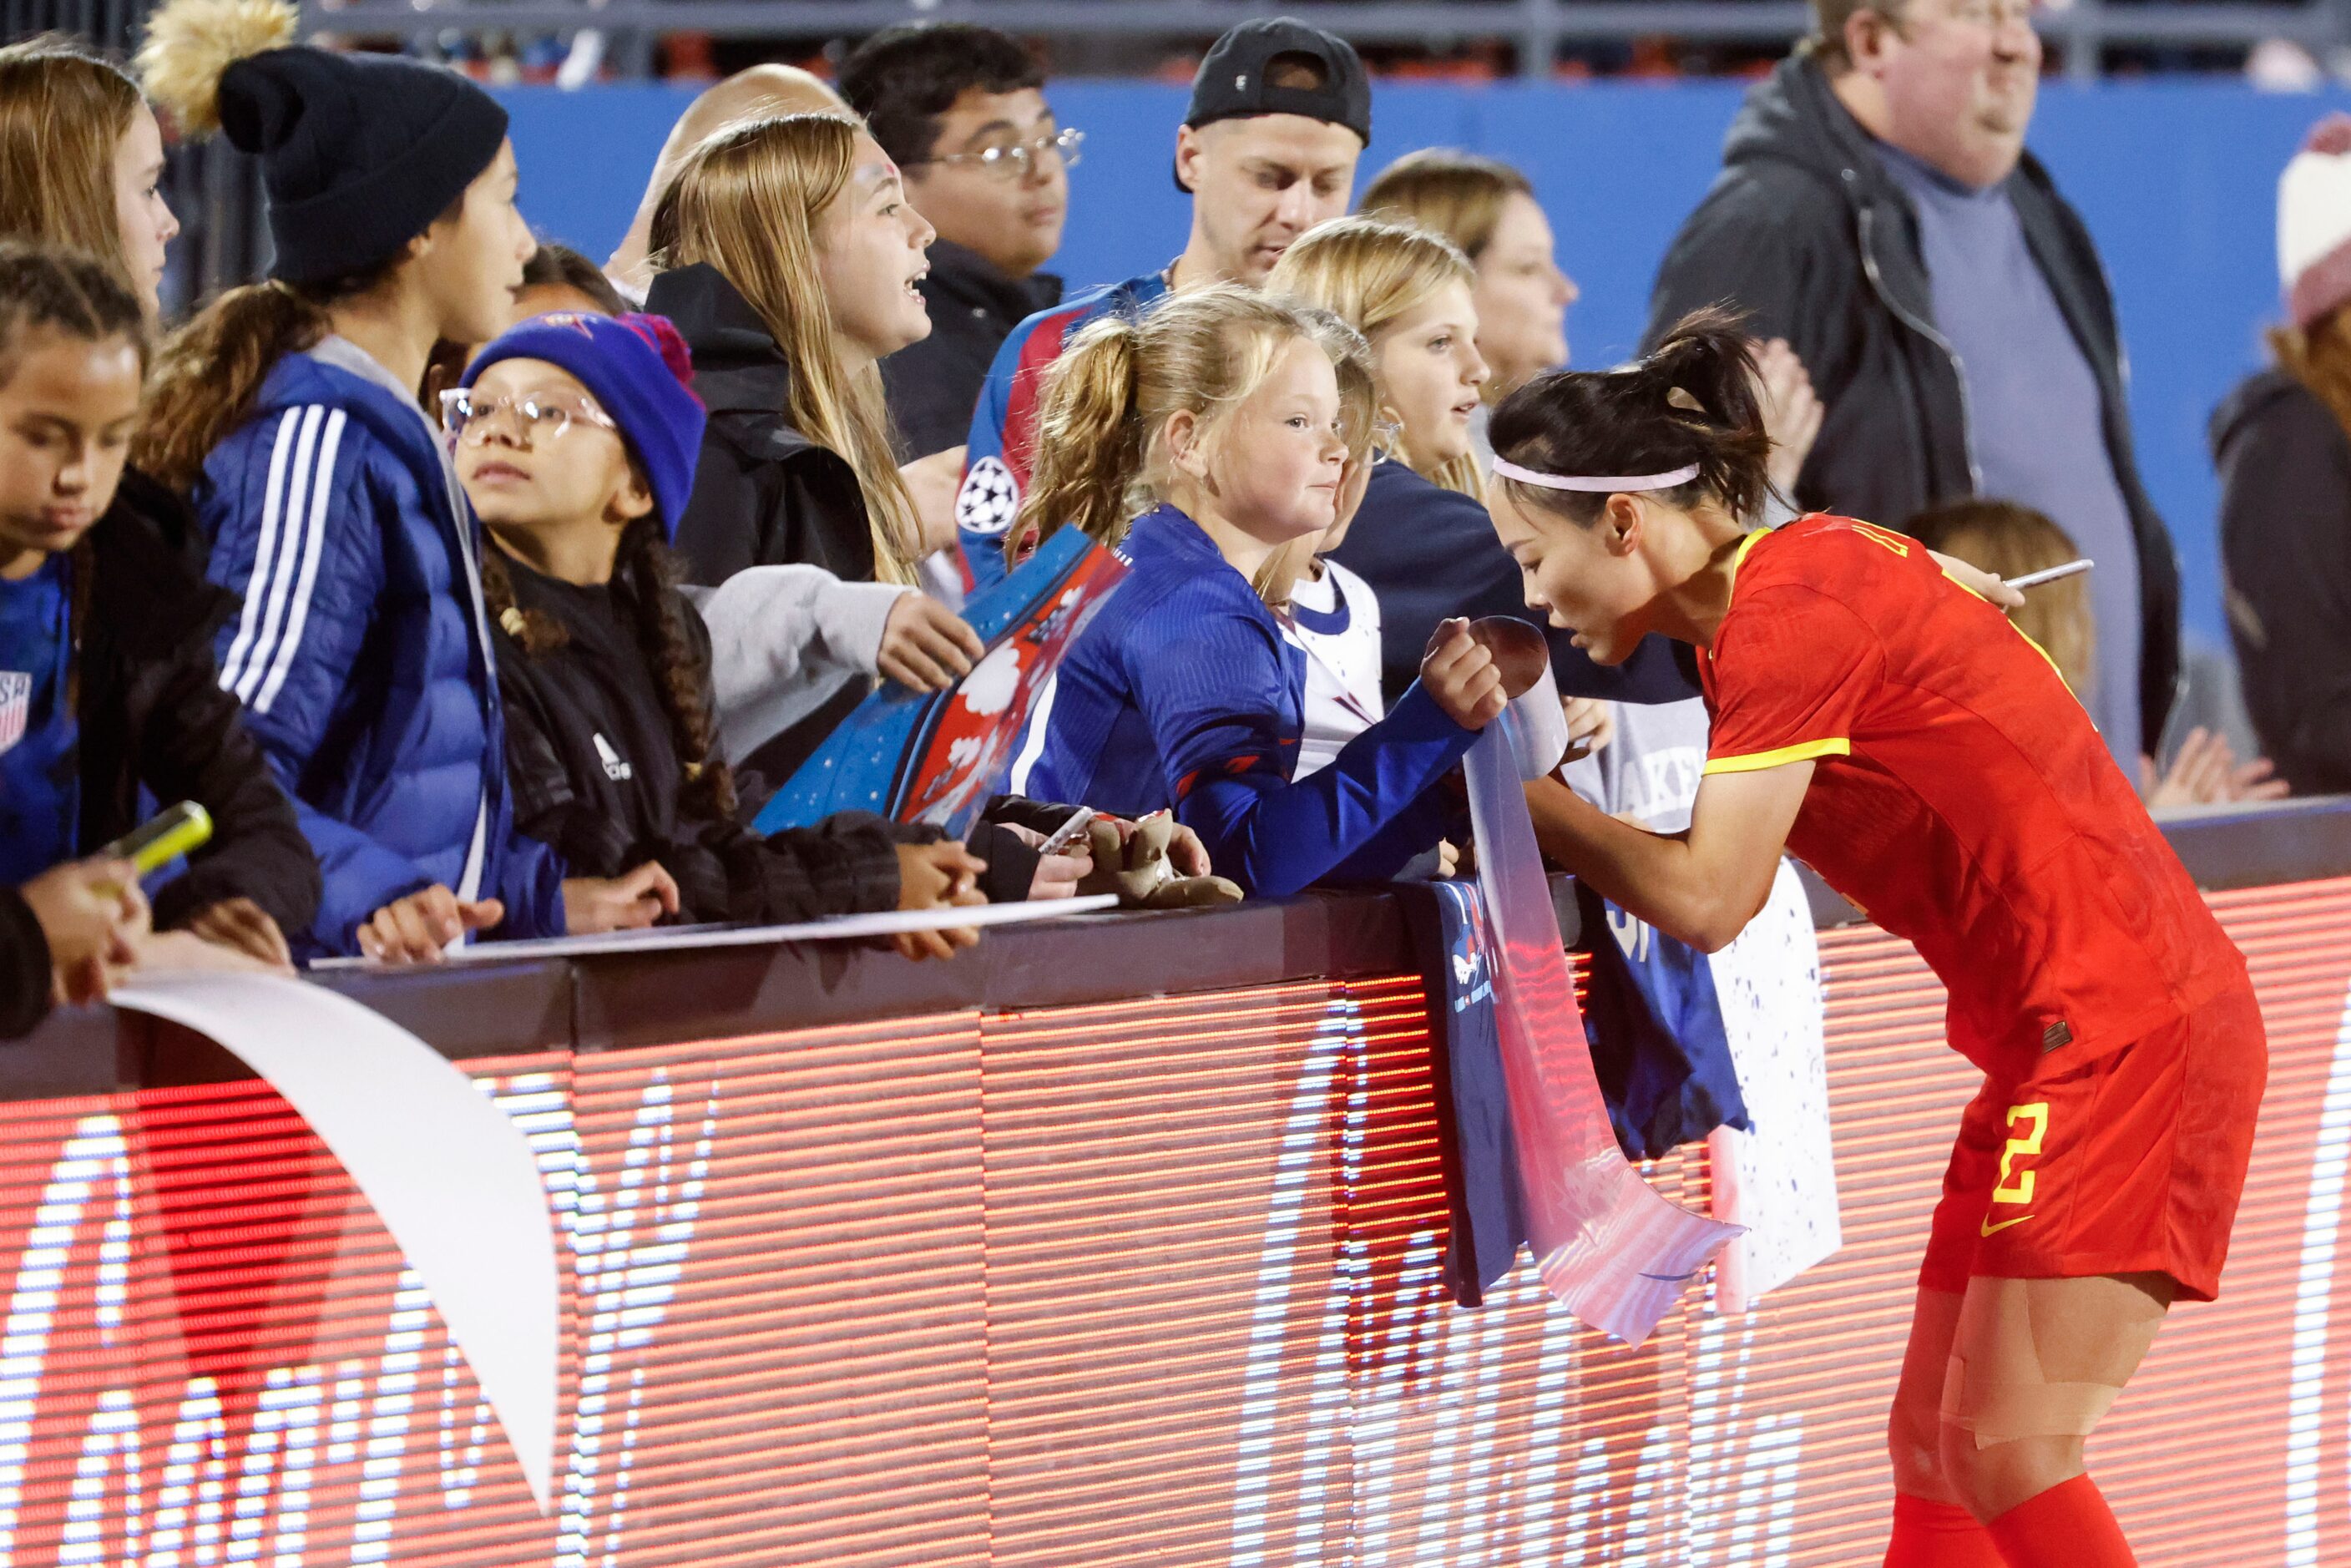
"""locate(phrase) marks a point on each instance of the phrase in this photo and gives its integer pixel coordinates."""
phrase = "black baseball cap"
(1233, 81)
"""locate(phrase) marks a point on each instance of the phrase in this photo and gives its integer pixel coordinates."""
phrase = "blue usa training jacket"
(362, 652)
(1183, 693)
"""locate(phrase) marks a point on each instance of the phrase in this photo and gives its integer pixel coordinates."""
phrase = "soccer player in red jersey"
(1877, 717)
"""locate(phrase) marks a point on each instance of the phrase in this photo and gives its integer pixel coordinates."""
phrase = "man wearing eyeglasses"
(962, 110)
(1877, 208)
(1280, 112)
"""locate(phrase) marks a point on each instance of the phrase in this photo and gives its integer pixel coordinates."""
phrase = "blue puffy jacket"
(362, 653)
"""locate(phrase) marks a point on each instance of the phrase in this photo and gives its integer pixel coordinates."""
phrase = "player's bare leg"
(1914, 1436)
(1932, 1526)
(2035, 1366)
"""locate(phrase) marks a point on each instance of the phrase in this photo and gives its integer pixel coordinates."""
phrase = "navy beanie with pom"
(639, 370)
(359, 153)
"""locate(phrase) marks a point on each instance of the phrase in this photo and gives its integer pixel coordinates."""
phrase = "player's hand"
(936, 877)
(932, 483)
(92, 915)
(417, 928)
(1590, 725)
(925, 646)
(243, 926)
(1982, 582)
(1459, 672)
(630, 902)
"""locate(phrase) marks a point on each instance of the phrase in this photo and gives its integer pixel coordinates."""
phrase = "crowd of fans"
(481, 592)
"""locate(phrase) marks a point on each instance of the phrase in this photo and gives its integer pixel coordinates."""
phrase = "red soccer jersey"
(1962, 797)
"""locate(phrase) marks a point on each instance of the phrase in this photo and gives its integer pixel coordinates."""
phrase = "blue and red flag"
(937, 757)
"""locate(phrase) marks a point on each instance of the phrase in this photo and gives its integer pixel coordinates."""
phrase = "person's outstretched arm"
(1701, 886)
(1212, 694)
(1793, 672)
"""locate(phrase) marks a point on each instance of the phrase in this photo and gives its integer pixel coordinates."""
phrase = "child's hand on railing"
(931, 876)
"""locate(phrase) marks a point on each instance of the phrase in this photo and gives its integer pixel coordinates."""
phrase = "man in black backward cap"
(1280, 111)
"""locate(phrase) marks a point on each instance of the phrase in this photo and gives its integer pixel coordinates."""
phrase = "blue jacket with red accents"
(1182, 694)
(1002, 448)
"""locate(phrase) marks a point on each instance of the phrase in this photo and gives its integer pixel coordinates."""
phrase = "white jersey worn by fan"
(1334, 620)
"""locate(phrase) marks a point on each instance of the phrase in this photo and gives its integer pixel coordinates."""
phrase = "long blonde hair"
(1372, 274)
(1448, 191)
(1101, 456)
(63, 113)
(748, 202)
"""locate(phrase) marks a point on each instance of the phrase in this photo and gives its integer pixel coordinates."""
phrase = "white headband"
(1609, 487)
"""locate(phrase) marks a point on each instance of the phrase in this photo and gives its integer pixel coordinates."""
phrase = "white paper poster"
(831, 928)
(453, 1179)
(1780, 1180)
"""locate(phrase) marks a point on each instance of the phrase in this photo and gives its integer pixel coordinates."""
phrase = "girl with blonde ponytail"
(287, 413)
(1208, 438)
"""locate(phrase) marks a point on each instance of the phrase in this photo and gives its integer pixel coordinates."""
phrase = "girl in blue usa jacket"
(287, 412)
(1220, 412)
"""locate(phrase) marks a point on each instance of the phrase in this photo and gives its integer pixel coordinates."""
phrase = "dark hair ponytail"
(533, 632)
(647, 574)
(1693, 401)
(209, 375)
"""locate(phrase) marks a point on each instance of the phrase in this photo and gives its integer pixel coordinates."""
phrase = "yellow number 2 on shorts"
(2015, 1185)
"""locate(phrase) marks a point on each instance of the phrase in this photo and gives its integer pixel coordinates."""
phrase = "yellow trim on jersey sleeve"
(2048, 661)
(1739, 556)
(1757, 761)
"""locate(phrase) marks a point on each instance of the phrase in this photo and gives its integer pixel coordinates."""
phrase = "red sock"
(1938, 1535)
(2068, 1526)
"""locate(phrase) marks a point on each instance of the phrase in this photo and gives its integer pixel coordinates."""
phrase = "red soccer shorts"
(2132, 1163)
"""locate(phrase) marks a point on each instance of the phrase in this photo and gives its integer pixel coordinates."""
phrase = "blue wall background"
(2176, 179)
